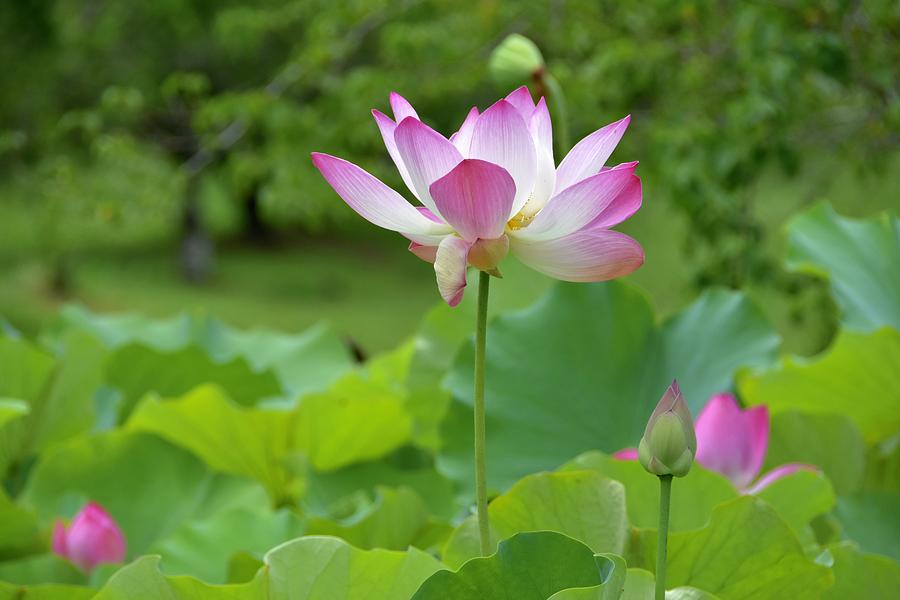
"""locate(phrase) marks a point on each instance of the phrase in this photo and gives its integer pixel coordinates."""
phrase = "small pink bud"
(92, 538)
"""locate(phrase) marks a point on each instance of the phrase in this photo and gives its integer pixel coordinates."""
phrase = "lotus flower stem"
(481, 504)
(665, 495)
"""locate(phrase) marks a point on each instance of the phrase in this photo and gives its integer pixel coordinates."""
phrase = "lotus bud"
(485, 255)
(669, 442)
(515, 61)
(92, 538)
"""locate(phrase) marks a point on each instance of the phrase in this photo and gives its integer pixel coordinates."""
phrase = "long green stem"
(665, 495)
(484, 529)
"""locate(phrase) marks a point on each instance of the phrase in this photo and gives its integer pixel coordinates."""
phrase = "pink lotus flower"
(92, 538)
(493, 186)
(733, 442)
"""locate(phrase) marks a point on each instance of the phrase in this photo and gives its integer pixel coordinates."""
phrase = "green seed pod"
(515, 61)
(669, 442)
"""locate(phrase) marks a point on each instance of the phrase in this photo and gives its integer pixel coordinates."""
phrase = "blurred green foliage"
(103, 102)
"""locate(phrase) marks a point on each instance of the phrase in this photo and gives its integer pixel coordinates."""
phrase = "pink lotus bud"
(92, 538)
(731, 440)
(669, 442)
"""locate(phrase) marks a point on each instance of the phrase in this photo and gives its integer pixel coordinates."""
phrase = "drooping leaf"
(857, 377)
(19, 530)
(698, 493)
(41, 568)
(232, 439)
(583, 505)
(354, 421)
(529, 566)
(59, 393)
(583, 368)
(861, 259)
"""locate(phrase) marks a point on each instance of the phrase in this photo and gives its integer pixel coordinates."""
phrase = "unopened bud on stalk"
(669, 442)
(515, 61)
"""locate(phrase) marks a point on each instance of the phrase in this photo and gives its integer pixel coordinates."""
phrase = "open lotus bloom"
(734, 441)
(494, 186)
(92, 538)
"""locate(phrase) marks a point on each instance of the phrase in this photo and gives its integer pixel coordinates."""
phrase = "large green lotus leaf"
(230, 438)
(396, 519)
(697, 493)
(303, 362)
(142, 580)
(799, 498)
(831, 442)
(424, 399)
(357, 420)
(19, 530)
(327, 568)
(49, 591)
(860, 258)
(529, 566)
(41, 568)
(581, 504)
(326, 492)
(641, 585)
(11, 408)
(747, 551)
(203, 547)
(59, 393)
(871, 519)
(857, 377)
(147, 485)
(136, 370)
(858, 575)
(583, 368)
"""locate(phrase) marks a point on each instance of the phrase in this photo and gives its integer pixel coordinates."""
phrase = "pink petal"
(427, 155)
(521, 99)
(623, 208)
(373, 200)
(401, 108)
(462, 139)
(589, 155)
(732, 441)
(502, 137)
(95, 538)
(586, 255)
(626, 454)
(615, 191)
(59, 539)
(545, 179)
(386, 126)
(776, 474)
(475, 198)
(450, 268)
(426, 253)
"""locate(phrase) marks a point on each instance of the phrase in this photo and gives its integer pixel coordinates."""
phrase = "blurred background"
(154, 156)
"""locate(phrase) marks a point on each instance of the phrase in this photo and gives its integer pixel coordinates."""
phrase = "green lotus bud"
(669, 442)
(515, 61)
